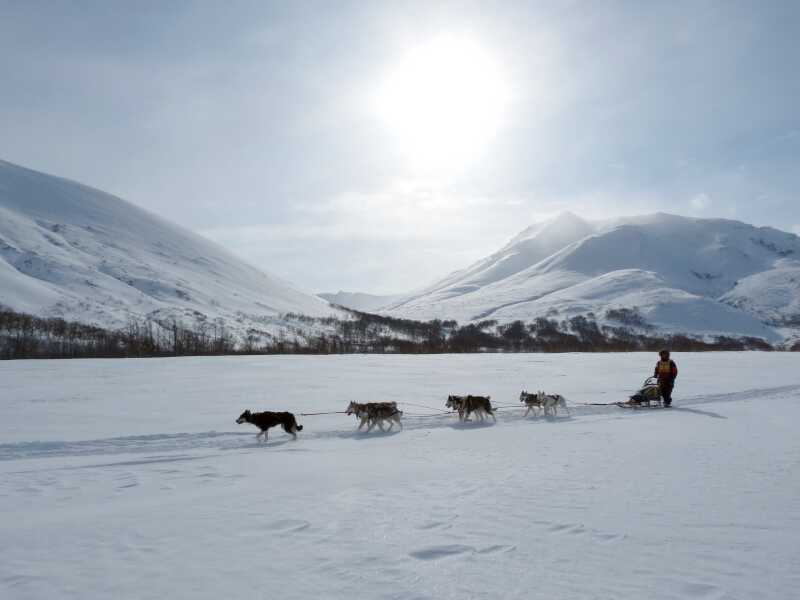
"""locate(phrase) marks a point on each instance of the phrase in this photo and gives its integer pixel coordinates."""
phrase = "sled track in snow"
(344, 428)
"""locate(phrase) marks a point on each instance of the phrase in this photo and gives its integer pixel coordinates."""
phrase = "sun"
(443, 102)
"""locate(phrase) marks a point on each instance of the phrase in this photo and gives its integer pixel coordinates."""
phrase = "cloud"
(411, 235)
(700, 203)
(262, 137)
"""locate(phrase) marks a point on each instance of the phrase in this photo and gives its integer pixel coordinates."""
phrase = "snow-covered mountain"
(362, 302)
(72, 251)
(698, 276)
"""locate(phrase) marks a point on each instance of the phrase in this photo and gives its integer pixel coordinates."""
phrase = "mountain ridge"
(684, 274)
(69, 250)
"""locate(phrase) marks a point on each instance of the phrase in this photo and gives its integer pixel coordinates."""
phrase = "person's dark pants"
(666, 392)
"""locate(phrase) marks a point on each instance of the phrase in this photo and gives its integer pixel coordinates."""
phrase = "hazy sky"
(375, 146)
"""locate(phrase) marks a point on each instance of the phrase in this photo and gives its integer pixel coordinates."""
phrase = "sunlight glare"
(443, 102)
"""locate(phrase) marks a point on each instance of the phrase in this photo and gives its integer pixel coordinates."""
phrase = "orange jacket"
(666, 371)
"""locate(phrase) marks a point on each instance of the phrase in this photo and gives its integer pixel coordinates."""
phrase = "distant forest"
(27, 336)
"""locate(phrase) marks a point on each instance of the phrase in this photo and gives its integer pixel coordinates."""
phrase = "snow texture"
(129, 479)
(360, 301)
(75, 252)
(699, 276)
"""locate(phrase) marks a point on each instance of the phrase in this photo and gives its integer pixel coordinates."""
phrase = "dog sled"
(648, 396)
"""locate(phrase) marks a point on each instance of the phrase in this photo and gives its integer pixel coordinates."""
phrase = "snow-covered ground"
(129, 479)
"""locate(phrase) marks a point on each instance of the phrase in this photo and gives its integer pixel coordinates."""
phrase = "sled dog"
(375, 413)
(265, 420)
(466, 405)
(552, 402)
(534, 403)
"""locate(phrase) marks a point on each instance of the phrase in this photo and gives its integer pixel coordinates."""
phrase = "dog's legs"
(290, 431)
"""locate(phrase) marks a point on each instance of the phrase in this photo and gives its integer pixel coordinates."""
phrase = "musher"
(666, 372)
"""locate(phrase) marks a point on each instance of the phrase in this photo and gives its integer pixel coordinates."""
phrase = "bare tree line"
(28, 336)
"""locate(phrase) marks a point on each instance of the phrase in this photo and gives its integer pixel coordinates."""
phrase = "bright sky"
(376, 146)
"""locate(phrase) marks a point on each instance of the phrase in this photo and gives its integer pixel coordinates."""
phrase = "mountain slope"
(704, 276)
(361, 301)
(72, 251)
(527, 248)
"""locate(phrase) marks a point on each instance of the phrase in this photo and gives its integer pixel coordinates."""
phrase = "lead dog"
(265, 420)
(375, 413)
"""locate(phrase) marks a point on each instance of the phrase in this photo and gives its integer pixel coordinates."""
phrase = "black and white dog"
(265, 420)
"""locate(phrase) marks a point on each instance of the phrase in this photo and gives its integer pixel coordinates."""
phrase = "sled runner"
(649, 396)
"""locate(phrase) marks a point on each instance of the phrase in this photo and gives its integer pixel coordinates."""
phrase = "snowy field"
(130, 479)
